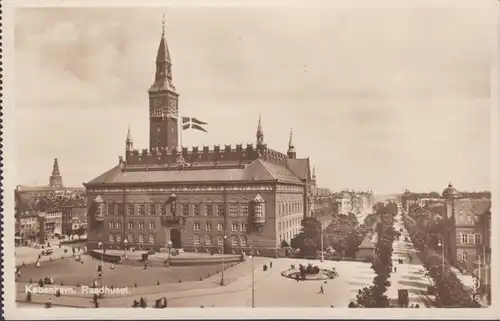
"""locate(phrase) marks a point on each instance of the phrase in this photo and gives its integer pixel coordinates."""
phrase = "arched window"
(141, 238)
(243, 240)
(151, 225)
(111, 238)
(118, 237)
(234, 240)
(151, 238)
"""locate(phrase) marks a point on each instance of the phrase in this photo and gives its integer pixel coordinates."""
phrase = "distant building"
(40, 211)
(462, 236)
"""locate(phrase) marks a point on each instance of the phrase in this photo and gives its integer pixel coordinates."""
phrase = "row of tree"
(374, 296)
(449, 289)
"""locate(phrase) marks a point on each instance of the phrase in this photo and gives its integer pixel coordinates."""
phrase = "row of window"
(130, 238)
(470, 238)
(464, 256)
(289, 223)
(153, 209)
(289, 235)
(290, 208)
(243, 241)
(235, 227)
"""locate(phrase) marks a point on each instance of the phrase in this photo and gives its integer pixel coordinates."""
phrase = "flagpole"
(181, 128)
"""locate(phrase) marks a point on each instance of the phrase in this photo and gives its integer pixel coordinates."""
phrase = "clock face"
(172, 103)
(157, 102)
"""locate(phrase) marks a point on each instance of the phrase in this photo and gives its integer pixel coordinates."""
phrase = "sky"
(380, 98)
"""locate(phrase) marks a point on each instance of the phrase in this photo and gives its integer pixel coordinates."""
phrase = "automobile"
(48, 252)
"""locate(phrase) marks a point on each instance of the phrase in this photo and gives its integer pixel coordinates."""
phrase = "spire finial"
(290, 143)
(129, 135)
(163, 24)
(260, 132)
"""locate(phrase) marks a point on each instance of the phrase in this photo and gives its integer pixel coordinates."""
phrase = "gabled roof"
(258, 170)
(299, 167)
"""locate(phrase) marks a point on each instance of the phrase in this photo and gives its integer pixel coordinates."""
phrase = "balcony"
(173, 220)
(99, 218)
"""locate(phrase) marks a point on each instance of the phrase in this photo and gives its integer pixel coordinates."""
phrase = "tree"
(297, 241)
(311, 230)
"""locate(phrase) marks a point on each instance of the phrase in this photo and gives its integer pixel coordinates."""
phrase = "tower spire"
(55, 179)
(291, 149)
(129, 143)
(260, 133)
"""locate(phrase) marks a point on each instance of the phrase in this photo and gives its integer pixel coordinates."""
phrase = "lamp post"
(253, 277)
(169, 246)
(321, 235)
(100, 270)
(125, 244)
(441, 245)
(222, 258)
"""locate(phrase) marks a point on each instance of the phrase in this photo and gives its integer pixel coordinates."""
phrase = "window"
(234, 227)
(130, 238)
(151, 238)
(151, 225)
(141, 225)
(208, 239)
(464, 238)
(208, 226)
(244, 227)
(152, 209)
(119, 225)
(111, 209)
(196, 239)
(220, 210)
(233, 210)
(111, 224)
(130, 209)
(130, 225)
(111, 238)
(477, 238)
(220, 227)
(244, 210)
(464, 256)
(234, 240)
(141, 237)
(118, 237)
(243, 240)
(163, 209)
(196, 209)
(196, 226)
(219, 240)
(184, 210)
(209, 210)
(119, 209)
(141, 208)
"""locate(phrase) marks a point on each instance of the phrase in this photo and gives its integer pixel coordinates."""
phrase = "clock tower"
(163, 102)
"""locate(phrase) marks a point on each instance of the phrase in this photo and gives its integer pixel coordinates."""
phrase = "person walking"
(321, 291)
(395, 269)
(271, 265)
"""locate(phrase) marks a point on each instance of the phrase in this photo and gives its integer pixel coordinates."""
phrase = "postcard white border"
(9, 182)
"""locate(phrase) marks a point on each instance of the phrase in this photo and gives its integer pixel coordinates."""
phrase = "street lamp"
(125, 244)
(169, 246)
(222, 258)
(441, 245)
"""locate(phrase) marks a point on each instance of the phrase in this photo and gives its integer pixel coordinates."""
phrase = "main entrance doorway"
(175, 237)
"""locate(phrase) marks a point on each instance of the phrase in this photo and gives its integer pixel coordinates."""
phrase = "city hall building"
(205, 199)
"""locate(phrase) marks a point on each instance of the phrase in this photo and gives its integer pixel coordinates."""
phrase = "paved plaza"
(71, 272)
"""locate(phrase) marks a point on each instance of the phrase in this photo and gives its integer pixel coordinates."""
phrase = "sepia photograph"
(336, 156)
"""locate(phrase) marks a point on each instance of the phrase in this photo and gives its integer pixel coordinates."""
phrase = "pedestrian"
(271, 265)
(321, 291)
(395, 269)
